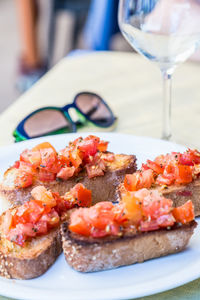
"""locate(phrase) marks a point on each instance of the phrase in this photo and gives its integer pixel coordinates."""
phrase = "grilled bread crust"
(89, 255)
(32, 260)
(103, 187)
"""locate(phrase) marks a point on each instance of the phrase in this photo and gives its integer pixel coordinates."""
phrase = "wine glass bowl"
(166, 32)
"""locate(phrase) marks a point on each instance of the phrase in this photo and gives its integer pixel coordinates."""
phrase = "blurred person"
(39, 16)
(31, 67)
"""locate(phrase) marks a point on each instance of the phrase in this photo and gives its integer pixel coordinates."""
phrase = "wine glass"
(166, 32)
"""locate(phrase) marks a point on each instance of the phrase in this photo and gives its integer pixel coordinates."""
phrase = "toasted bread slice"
(32, 260)
(103, 187)
(89, 254)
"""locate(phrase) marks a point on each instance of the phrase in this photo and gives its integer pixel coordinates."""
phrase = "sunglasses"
(87, 108)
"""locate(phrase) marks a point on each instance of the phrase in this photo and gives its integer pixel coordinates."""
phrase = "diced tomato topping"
(31, 157)
(139, 180)
(166, 220)
(66, 173)
(45, 145)
(64, 157)
(26, 168)
(44, 175)
(183, 174)
(41, 227)
(48, 158)
(45, 164)
(16, 236)
(38, 216)
(173, 168)
(184, 213)
(133, 207)
(78, 224)
(23, 179)
(149, 225)
(157, 168)
(165, 180)
(40, 193)
(190, 157)
(88, 147)
(75, 158)
(102, 146)
(98, 221)
(96, 167)
(52, 218)
(83, 195)
(154, 205)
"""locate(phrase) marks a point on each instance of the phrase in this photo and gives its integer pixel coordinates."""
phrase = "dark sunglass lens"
(94, 108)
(47, 121)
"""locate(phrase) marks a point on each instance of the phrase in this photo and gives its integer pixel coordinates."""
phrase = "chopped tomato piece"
(31, 157)
(48, 159)
(166, 220)
(83, 195)
(131, 181)
(78, 223)
(98, 221)
(23, 179)
(66, 172)
(26, 229)
(15, 236)
(75, 158)
(52, 218)
(64, 157)
(41, 227)
(185, 213)
(154, 205)
(183, 174)
(102, 146)
(149, 225)
(120, 215)
(190, 157)
(44, 175)
(44, 145)
(40, 193)
(96, 167)
(133, 207)
(95, 138)
(139, 180)
(157, 168)
(26, 168)
(94, 170)
(88, 147)
(165, 180)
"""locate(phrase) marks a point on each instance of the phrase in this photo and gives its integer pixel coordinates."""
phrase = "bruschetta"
(175, 175)
(84, 160)
(30, 239)
(144, 225)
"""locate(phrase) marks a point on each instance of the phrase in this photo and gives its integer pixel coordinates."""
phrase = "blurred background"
(36, 34)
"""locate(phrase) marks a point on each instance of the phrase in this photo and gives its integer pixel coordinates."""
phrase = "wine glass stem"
(166, 130)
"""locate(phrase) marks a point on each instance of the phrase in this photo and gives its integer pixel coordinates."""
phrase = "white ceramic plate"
(61, 282)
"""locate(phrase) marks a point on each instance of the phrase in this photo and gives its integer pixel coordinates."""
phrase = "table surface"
(132, 86)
